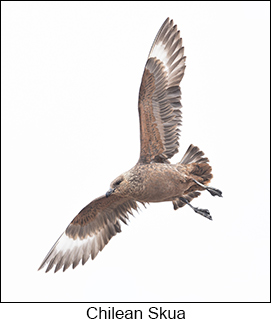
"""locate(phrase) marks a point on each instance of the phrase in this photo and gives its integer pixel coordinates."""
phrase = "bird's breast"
(157, 183)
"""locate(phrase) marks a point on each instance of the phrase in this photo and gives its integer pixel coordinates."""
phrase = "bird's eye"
(117, 182)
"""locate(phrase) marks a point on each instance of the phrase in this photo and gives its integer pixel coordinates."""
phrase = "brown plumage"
(153, 178)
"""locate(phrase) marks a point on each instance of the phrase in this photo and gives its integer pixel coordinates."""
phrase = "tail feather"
(193, 155)
(202, 173)
(198, 167)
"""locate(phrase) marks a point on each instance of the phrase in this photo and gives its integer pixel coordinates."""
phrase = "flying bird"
(153, 178)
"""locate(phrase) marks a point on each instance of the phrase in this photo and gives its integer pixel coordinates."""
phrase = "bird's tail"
(198, 172)
(193, 155)
(197, 165)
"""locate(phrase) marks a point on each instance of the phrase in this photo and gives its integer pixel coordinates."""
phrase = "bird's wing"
(89, 232)
(159, 96)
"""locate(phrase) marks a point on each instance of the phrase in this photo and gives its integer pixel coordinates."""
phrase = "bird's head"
(117, 186)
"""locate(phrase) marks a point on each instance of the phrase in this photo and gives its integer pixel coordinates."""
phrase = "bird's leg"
(211, 190)
(203, 212)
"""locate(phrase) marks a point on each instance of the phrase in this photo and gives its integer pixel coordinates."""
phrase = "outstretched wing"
(89, 232)
(159, 96)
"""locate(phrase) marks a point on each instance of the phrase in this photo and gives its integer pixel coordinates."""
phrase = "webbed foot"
(203, 212)
(213, 191)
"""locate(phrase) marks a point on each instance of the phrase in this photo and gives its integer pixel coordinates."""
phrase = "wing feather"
(89, 232)
(159, 96)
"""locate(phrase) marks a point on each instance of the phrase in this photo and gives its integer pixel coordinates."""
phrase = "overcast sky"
(71, 73)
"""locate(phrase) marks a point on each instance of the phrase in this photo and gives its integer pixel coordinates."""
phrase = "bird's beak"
(109, 192)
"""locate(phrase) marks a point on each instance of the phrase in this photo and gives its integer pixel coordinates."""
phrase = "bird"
(153, 178)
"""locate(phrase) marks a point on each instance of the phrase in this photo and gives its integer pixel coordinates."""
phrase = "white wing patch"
(167, 47)
(67, 251)
(89, 232)
(159, 52)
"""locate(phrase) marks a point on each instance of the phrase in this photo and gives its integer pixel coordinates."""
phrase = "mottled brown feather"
(97, 214)
(91, 230)
(159, 97)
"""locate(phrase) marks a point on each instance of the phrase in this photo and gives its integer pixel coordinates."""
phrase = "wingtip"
(40, 267)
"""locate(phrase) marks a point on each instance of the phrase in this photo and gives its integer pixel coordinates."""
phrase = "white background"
(71, 73)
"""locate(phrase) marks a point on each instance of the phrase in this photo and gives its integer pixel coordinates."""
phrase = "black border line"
(135, 302)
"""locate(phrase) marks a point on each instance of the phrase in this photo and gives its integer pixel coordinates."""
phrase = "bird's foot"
(203, 212)
(214, 191)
